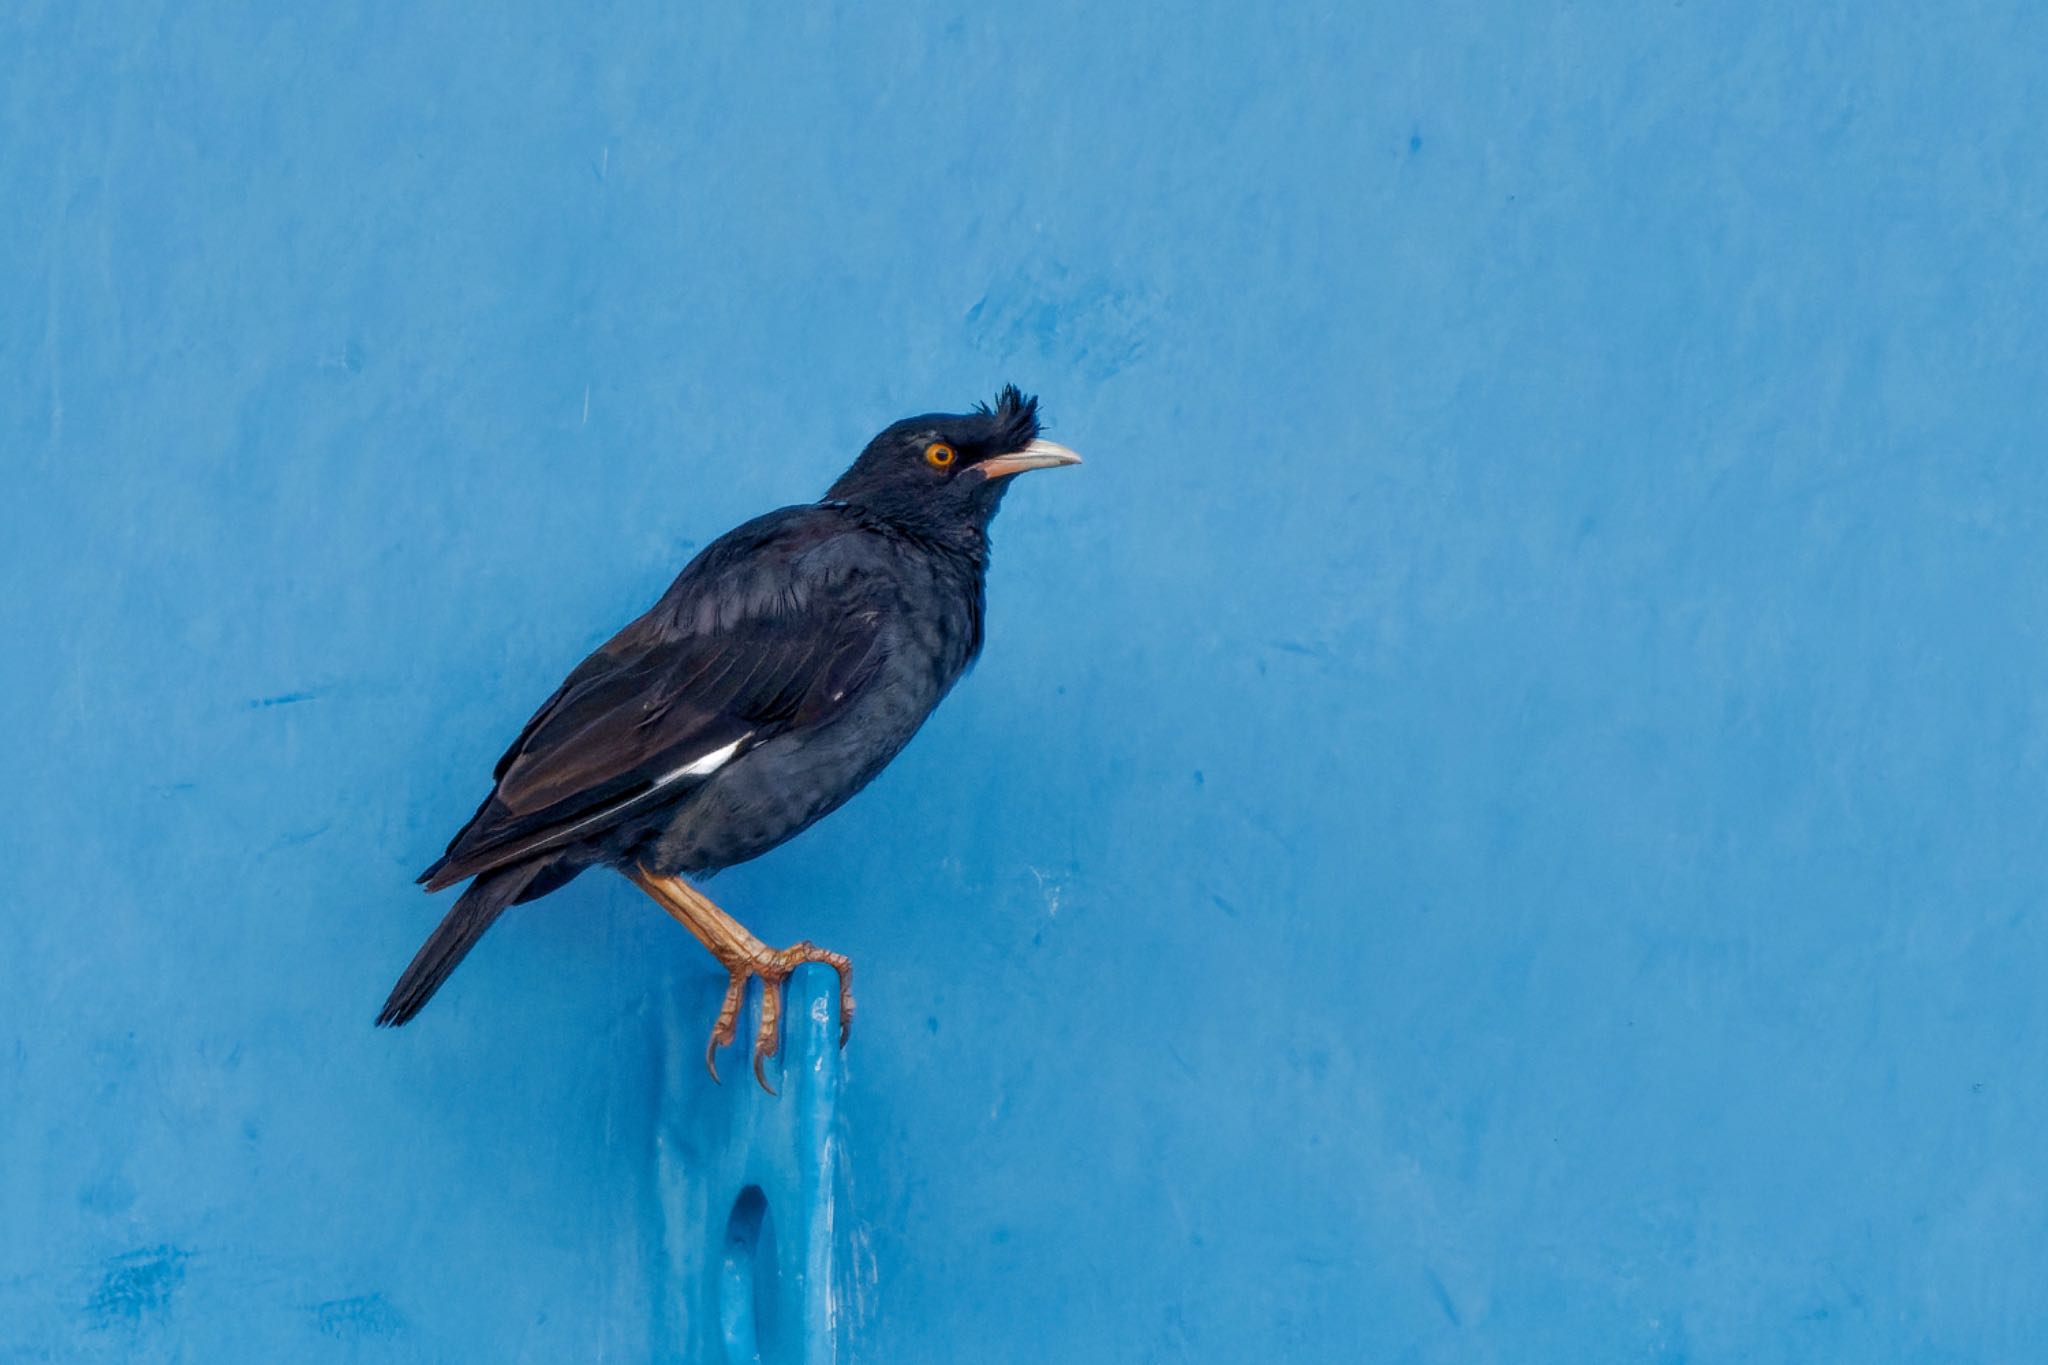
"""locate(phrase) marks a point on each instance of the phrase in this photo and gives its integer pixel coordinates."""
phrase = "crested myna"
(784, 667)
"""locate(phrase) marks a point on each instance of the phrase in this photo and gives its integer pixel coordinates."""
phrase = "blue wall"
(1501, 819)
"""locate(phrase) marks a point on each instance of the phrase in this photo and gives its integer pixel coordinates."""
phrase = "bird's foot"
(744, 956)
(773, 967)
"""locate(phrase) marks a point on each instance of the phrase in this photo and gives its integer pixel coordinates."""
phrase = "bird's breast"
(928, 632)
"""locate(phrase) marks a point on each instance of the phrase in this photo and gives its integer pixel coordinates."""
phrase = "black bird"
(784, 667)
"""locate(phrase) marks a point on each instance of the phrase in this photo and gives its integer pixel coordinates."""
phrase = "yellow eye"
(938, 455)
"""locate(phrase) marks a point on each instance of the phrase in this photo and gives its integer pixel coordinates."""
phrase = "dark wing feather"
(760, 634)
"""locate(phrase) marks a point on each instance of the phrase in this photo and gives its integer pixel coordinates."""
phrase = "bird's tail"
(478, 908)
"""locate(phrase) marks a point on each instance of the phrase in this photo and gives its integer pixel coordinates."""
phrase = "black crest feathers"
(1016, 415)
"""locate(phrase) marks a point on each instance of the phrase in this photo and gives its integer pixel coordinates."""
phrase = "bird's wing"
(757, 637)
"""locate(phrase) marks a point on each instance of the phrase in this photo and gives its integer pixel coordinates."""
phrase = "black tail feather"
(465, 923)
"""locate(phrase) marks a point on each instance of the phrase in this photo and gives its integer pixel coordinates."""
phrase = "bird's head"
(944, 470)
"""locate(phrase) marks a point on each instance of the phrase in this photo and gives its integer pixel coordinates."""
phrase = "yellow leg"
(742, 955)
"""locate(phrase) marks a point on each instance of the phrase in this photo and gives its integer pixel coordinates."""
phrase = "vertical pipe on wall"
(748, 1183)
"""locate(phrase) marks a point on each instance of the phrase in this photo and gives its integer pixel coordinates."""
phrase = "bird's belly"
(775, 791)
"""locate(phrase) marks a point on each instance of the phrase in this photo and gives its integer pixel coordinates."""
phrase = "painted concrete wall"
(1501, 819)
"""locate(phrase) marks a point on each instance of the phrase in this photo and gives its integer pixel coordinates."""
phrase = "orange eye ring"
(939, 455)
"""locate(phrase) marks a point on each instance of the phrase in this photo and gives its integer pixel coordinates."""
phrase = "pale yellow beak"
(1037, 455)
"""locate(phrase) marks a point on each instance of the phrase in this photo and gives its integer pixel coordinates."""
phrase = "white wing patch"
(700, 767)
(705, 766)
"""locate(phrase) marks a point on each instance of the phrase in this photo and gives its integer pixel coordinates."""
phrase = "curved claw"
(768, 1039)
(728, 1022)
